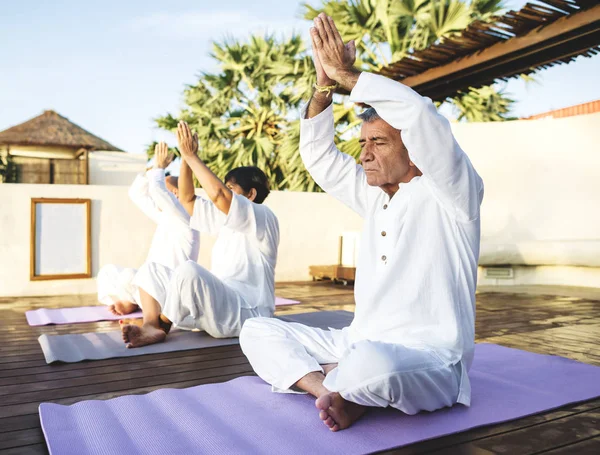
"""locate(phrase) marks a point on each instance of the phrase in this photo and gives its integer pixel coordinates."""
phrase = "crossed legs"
(290, 356)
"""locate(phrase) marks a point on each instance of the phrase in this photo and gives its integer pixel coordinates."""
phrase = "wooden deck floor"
(566, 324)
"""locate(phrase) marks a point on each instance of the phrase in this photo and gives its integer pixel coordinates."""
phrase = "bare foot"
(123, 307)
(132, 321)
(328, 367)
(135, 336)
(337, 413)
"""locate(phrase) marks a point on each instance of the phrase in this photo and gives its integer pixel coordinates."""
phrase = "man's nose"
(365, 154)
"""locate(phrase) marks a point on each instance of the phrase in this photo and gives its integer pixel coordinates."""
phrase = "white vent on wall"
(499, 272)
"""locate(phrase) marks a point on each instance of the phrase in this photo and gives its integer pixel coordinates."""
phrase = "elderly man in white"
(411, 342)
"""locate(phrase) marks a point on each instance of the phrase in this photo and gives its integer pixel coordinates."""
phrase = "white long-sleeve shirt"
(174, 241)
(417, 267)
(245, 253)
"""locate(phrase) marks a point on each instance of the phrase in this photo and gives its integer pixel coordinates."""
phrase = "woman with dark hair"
(241, 282)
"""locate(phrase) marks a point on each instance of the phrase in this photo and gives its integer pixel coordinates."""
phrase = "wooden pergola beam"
(86, 166)
(565, 38)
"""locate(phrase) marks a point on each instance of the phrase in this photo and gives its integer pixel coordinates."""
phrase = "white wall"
(120, 234)
(541, 206)
(552, 275)
(310, 225)
(115, 168)
(542, 189)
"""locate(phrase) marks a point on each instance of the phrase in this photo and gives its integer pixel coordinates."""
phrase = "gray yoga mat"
(107, 345)
(45, 316)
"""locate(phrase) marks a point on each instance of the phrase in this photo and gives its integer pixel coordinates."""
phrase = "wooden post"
(86, 167)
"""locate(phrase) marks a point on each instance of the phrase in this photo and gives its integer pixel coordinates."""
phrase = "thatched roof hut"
(52, 129)
(49, 149)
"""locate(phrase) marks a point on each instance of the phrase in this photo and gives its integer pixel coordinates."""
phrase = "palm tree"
(247, 112)
(483, 104)
(296, 176)
(388, 30)
(241, 113)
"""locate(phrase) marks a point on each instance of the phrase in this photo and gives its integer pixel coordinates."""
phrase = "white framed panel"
(60, 239)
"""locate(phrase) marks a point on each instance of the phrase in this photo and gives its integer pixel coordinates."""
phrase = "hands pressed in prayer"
(188, 142)
(333, 59)
(322, 78)
(216, 190)
(334, 62)
(162, 156)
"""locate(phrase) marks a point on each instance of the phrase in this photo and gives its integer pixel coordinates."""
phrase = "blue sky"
(113, 66)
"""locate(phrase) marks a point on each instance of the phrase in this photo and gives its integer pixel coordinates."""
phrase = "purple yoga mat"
(243, 416)
(47, 316)
(76, 315)
(280, 301)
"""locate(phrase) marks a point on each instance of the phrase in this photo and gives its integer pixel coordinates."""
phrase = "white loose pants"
(197, 299)
(369, 373)
(116, 283)
(154, 279)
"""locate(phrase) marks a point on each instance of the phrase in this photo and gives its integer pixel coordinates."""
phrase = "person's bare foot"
(135, 336)
(337, 413)
(122, 307)
(132, 321)
(328, 367)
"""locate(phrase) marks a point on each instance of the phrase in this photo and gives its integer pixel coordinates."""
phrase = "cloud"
(214, 25)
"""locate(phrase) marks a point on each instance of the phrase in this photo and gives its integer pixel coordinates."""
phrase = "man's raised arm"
(139, 194)
(187, 192)
(216, 190)
(425, 132)
(428, 137)
(335, 172)
(166, 201)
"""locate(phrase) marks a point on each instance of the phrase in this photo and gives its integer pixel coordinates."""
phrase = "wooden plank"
(332, 272)
(430, 82)
(557, 433)
(31, 449)
(195, 357)
(22, 437)
(32, 407)
(121, 384)
(534, 421)
(589, 446)
(17, 423)
(11, 393)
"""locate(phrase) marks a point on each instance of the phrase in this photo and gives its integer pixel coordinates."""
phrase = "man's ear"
(252, 194)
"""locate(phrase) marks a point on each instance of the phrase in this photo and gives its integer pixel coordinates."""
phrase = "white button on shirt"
(415, 285)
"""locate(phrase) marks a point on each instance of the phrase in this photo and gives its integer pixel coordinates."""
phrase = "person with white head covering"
(174, 241)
